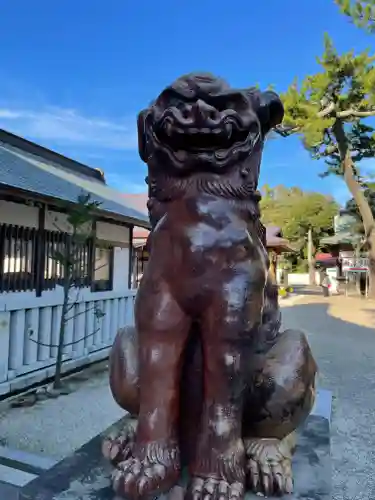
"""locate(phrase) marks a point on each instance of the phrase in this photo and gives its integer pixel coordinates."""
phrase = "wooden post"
(40, 252)
(273, 266)
(131, 253)
(310, 257)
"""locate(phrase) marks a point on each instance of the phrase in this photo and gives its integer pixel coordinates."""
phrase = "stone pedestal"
(85, 474)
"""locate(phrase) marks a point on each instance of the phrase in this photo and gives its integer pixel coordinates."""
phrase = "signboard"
(355, 264)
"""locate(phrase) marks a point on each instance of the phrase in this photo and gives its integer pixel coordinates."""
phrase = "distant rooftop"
(30, 168)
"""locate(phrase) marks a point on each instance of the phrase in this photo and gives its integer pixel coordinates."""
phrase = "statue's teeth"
(168, 128)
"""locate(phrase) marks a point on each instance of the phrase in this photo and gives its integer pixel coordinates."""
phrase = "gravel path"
(345, 352)
(56, 427)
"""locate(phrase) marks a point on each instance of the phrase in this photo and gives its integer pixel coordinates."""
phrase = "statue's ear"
(142, 142)
(271, 110)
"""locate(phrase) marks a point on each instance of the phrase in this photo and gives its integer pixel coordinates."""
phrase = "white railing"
(29, 329)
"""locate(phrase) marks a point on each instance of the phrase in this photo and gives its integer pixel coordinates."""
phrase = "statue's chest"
(204, 237)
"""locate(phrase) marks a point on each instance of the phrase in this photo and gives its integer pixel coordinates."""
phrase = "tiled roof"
(22, 170)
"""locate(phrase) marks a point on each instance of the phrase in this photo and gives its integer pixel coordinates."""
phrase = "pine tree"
(331, 111)
(361, 12)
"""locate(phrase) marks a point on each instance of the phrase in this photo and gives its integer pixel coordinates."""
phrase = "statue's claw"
(214, 489)
(118, 447)
(269, 467)
(149, 471)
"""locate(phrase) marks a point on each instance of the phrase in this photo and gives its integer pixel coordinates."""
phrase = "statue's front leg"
(218, 471)
(154, 464)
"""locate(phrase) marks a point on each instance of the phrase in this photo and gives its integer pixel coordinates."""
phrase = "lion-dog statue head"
(201, 132)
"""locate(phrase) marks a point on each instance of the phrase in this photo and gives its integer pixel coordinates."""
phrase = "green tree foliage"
(295, 211)
(361, 12)
(343, 93)
(352, 208)
(331, 111)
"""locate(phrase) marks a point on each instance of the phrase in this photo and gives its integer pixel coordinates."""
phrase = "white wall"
(120, 269)
(18, 214)
(302, 278)
(298, 279)
(56, 221)
(120, 237)
(113, 233)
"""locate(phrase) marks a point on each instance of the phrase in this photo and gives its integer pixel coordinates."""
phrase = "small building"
(276, 245)
(347, 247)
(37, 187)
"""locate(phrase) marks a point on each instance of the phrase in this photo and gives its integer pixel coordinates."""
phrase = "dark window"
(32, 259)
(60, 249)
(17, 258)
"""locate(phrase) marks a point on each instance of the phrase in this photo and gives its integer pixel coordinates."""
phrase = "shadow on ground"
(345, 353)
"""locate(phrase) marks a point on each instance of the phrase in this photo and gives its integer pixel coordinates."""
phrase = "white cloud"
(68, 126)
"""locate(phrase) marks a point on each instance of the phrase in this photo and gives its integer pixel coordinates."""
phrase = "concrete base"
(85, 474)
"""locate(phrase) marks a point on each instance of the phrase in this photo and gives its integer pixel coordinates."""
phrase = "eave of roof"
(29, 173)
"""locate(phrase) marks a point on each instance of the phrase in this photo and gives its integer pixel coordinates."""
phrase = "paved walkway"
(342, 335)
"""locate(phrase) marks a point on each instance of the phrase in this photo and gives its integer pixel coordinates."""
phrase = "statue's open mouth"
(200, 139)
(202, 131)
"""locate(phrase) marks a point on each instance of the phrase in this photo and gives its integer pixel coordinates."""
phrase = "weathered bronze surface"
(215, 384)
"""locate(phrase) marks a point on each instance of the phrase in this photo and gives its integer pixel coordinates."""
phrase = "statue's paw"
(118, 447)
(150, 471)
(215, 489)
(269, 466)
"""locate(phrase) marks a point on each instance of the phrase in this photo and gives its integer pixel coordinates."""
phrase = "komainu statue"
(214, 383)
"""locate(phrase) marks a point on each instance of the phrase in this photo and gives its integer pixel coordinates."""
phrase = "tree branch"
(352, 112)
(93, 308)
(285, 130)
(346, 113)
(64, 345)
(327, 111)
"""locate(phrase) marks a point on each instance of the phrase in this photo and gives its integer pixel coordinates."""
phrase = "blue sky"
(74, 74)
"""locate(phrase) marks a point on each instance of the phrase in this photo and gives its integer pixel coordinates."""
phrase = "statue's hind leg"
(280, 396)
(124, 385)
